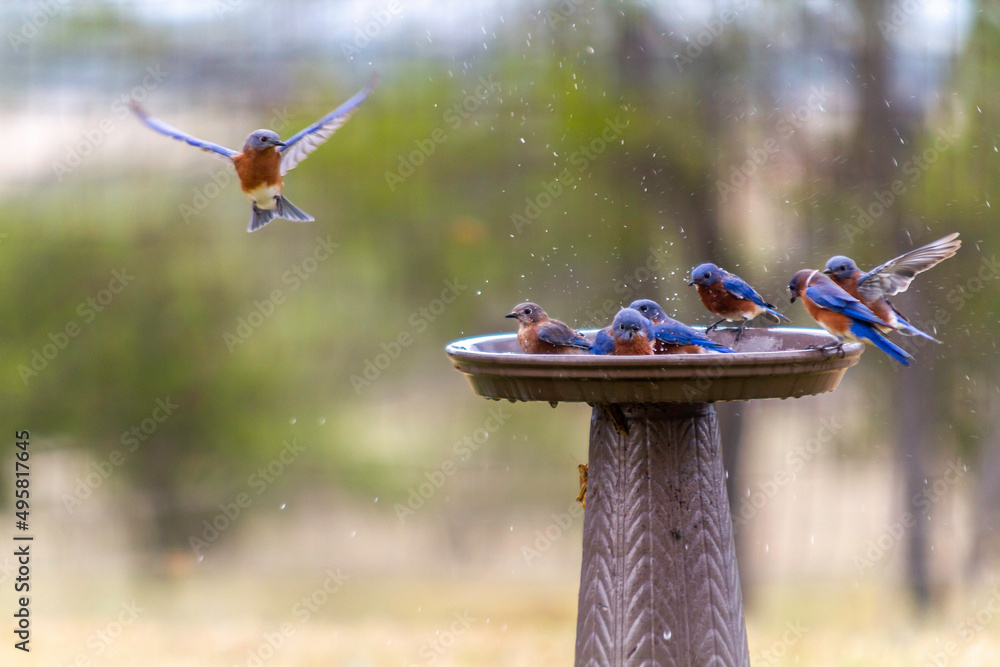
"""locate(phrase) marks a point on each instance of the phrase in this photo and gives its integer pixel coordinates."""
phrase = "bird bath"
(659, 582)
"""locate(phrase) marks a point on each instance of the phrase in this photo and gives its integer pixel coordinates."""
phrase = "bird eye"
(527, 311)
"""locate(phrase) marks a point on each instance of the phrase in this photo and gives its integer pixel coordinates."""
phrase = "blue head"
(261, 140)
(650, 310)
(706, 275)
(841, 267)
(629, 323)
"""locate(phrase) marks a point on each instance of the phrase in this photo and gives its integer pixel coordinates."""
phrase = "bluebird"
(673, 337)
(629, 334)
(730, 297)
(539, 334)
(266, 158)
(841, 314)
(891, 278)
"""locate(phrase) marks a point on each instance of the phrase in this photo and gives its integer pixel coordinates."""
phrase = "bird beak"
(511, 315)
(691, 284)
(828, 272)
(280, 143)
(792, 300)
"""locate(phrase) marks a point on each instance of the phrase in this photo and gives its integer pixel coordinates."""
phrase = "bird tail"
(908, 329)
(290, 211)
(260, 217)
(283, 209)
(869, 333)
(773, 315)
(710, 344)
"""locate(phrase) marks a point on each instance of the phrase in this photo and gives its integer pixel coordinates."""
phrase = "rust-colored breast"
(636, 345)
(719, 301)
(666, 348)
(257, 168)
(836, 323)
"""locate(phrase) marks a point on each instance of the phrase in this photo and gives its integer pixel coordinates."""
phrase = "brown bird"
(539, 334)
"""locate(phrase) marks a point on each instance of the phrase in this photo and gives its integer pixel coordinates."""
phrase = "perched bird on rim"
(891, 278)
(730, 297)
(265, 158)
(673, 337)
(841, 314)
(540, 334)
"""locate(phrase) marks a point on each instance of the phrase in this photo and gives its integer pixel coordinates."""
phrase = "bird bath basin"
(659, 582)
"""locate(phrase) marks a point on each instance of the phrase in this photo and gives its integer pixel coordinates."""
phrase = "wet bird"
(841, 314)
(265, 158)
(673, 337)
(730, 297)
(891, 278)
(540, 334)
(629, 334)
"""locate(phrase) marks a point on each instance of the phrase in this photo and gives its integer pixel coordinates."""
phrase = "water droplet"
(292, 420)
(322, 420)
(667, 634)
(283, 505)
(353, 533)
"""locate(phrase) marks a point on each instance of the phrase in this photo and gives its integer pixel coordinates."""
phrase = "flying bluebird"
(841, 314)
(730, 297)
(266, 158)
(539, 334)
(891, 278)
(673, 337)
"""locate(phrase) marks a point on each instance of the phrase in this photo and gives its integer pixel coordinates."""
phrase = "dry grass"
(227, 619)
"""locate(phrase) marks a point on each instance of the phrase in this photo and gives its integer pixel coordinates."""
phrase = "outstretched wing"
(556, 333)
(174, 133)
(896, 275)
(305, 142)
(830, 296)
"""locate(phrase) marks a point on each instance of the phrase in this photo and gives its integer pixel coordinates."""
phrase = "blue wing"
(741, 290)
(896, 275)
(673, 332)
(305, 142)
(867, 332)
(557, 333)
(603, 343)
(174, 133)
(830, 296)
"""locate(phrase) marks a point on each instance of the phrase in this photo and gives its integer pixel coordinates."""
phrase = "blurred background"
(251, 449)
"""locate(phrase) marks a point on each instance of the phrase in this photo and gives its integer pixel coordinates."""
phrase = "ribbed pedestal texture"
(659, 583)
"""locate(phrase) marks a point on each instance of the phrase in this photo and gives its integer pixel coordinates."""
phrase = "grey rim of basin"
(769, 363)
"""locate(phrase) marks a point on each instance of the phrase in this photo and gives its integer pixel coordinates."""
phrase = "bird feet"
(830, 349)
